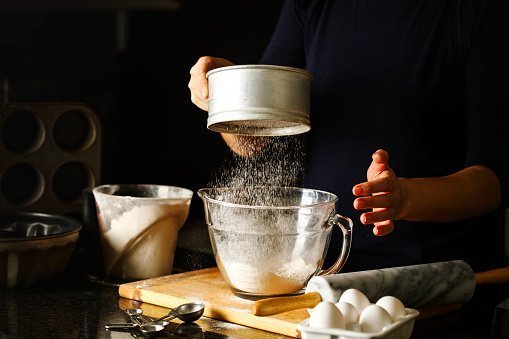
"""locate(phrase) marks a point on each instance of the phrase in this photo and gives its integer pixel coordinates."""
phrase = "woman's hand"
(381, 193)
(470, 192)
(198, 84)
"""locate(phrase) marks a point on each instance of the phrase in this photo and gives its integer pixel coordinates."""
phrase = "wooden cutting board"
(208, 287)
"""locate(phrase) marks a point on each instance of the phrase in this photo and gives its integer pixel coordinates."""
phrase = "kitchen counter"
(78, 304)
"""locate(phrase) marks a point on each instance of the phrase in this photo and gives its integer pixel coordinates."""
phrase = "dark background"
(137, 85)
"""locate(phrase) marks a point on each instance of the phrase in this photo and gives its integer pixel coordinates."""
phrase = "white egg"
(356, 298)
(350, 313)
(326, 315)
(393, 306)
(374, 318)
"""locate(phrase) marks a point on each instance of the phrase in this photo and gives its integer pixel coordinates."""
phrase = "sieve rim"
(301, 71)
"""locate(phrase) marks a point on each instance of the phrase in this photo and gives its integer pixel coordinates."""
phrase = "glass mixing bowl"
(271, 240)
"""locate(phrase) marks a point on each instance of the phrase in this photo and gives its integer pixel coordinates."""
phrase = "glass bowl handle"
(346, 229)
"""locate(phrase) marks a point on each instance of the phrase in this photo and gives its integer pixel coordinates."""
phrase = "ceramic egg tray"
(401, 329)
(49, 153)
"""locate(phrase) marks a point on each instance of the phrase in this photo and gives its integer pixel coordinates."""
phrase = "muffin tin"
(49, 153)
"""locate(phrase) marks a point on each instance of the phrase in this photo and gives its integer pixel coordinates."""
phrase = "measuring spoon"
(135, 314)
(145, 328)
(186, 312)
(138, 322)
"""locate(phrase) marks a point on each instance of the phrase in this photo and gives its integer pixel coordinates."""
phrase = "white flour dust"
(264, 251)
(140, 243)
(280, 164)
(264, 280)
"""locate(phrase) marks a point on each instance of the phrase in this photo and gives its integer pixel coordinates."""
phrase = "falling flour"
(256, 250)
(280, 164)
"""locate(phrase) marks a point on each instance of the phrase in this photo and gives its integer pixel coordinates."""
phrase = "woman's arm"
(467, 193)
(470, 192)
(245, 145)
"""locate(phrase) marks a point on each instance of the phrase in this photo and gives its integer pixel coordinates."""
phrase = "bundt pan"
(35, 248)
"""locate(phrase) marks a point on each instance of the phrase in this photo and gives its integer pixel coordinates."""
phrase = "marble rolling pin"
(434, 284)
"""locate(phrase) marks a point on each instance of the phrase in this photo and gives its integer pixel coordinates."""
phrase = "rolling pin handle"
(275, 305)
(493, 277)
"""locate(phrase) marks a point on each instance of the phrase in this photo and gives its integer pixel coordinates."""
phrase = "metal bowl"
(263, 100)
(35, 247)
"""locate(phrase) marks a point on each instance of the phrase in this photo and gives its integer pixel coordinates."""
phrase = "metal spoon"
(135, 314)
(186, 312)
(138, 322)
(145, 328)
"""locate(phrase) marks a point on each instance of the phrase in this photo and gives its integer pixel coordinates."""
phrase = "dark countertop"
(77, 305)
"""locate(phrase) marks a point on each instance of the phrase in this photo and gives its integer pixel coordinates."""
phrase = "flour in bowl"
(261, 280)
(140, 243)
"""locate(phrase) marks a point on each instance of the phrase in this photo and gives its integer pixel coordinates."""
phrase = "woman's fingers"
(383, 228)
(198, 83)
(203, 104)
(379, 163)
(374, 201)
(380, 156)
(381, 185)
(379, 193)
(377, 215)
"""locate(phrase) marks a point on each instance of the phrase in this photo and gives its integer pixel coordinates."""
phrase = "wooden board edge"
(268, 324)
(131, 290)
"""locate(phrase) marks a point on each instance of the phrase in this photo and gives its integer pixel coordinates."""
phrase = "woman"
(423, 81)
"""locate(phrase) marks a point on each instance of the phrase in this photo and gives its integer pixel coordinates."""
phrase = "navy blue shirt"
(422, 79)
